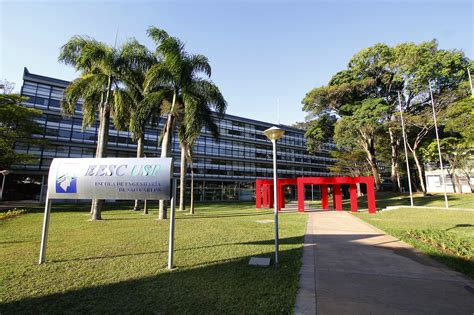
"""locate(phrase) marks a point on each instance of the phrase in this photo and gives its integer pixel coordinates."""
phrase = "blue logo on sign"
(66, 183)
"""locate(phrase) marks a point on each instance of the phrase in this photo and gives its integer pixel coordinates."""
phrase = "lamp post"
(4, 173)
(406, 153)
(274, 134)
(439, 149)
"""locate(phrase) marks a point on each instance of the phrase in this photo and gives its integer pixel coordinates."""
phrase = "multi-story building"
(224, 169)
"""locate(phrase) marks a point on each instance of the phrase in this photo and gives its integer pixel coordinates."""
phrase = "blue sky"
(262, 52)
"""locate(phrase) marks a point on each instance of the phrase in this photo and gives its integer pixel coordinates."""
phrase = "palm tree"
(189, 158)
(136, 106)
(181, 74)
(101, 67)
(198, 113)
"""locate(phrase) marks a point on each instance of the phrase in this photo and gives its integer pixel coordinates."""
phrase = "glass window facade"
(224, 170)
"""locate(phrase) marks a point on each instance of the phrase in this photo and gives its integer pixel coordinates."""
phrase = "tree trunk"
(136, 207)
(182, 178)
(419, 171)
(145, 207)
(458, 182)
(166, 152)
(191, 206)
(394, 144)
(468, 180)
(102, 140)
(370, 150)
(359, 193)
(451, 176)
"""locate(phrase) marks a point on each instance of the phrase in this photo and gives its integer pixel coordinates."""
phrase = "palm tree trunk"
(102, 140)
(136, 207)
(182, 178)
(191, 206)
(145, 207)
(165, 152)
(419, 170)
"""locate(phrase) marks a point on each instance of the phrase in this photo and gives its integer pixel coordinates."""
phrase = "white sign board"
(110, 178)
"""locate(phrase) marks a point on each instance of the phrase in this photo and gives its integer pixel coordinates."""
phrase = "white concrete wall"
(434, 183)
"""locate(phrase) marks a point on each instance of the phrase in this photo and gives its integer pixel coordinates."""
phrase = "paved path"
(350, 267)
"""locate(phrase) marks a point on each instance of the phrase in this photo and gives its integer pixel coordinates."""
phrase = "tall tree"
(135, 106)
(100, 66)
(381, 71)
(350, 161)
(17, 126)
(362, 129)
(459, 118)
(183, 75)
(198, 113)
(320, 131)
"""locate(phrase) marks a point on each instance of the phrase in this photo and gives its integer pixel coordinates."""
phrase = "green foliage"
(352, 162)
(460, 119)
(363, 126)
(376, 75)
(102, 68)
(452, 150)
(17, 126)
(181, 74)
(320, 131)
(445, 241)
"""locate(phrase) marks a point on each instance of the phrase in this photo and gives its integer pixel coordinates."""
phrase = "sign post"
(44, 234)
(108, 178)
(173, 209)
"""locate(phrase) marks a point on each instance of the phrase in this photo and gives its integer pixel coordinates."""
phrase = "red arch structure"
(264, 191)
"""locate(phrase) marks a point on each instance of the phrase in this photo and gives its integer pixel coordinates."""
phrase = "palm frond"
(123, 104)
(157, 35)
(71, 51)
(158, 76)
(200, 63)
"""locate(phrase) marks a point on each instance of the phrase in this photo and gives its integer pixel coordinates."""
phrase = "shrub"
(12, 213)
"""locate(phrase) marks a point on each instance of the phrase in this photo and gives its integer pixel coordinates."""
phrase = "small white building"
(434, 183)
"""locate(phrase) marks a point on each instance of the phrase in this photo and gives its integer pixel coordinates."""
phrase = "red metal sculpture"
(264, 191)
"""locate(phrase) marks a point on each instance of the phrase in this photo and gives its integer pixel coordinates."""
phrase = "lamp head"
(274, 133)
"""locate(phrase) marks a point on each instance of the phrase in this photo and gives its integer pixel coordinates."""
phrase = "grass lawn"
(445, 235)
(385, 199)
(118, 264)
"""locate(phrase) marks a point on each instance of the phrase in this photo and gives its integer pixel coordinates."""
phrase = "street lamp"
(4, 173)
(274, 134)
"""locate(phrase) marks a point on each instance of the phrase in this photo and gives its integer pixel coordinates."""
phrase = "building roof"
(28, 76)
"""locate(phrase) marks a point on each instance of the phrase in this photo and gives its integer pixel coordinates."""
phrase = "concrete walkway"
(350, 267)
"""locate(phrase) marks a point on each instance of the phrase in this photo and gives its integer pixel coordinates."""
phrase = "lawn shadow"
(459, 226)
(223, 287)
(234, 287)
(221, 215)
